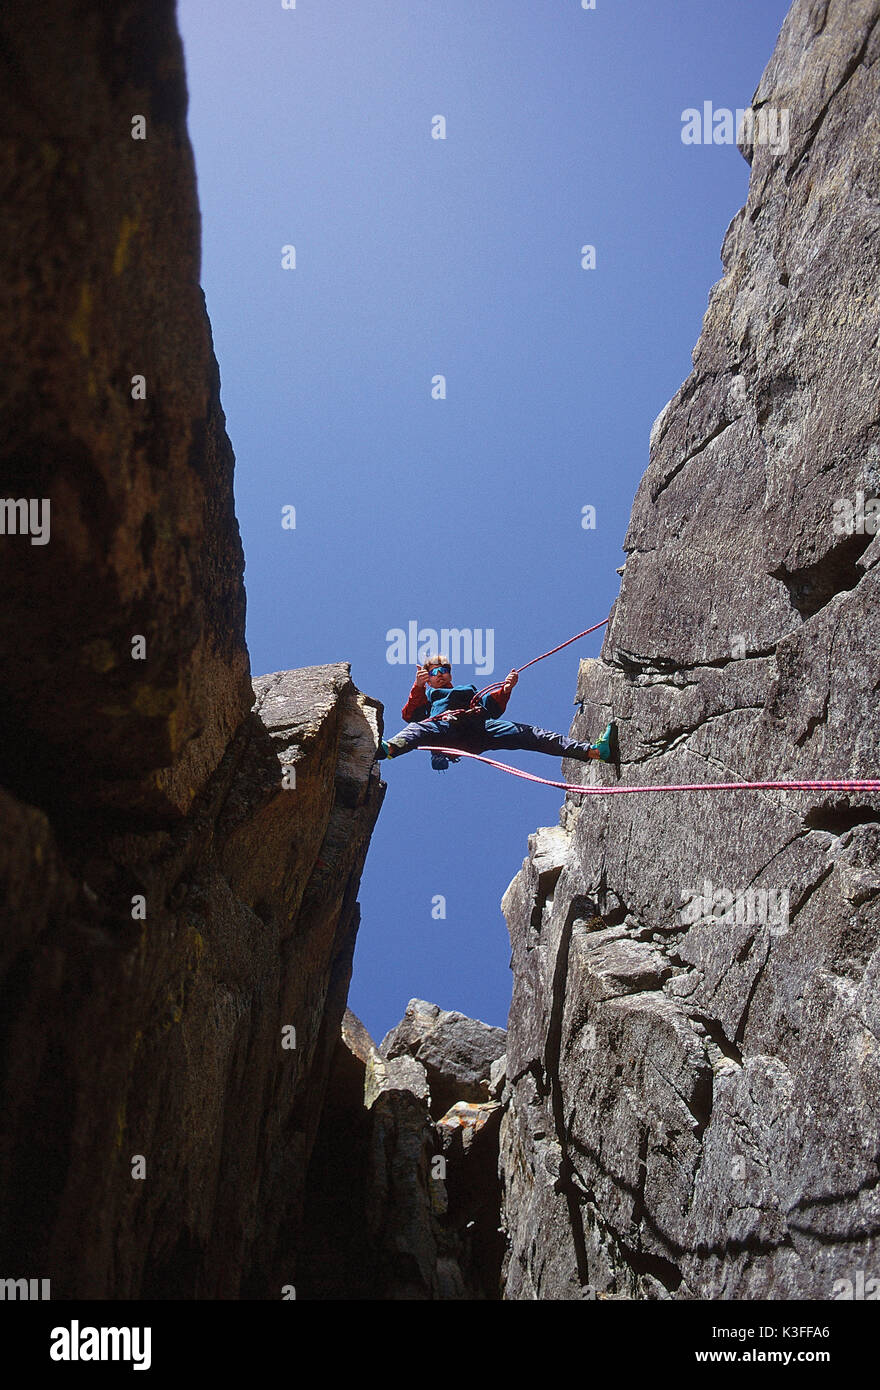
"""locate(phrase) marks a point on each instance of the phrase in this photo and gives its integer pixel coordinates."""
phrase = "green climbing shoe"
(603, 744)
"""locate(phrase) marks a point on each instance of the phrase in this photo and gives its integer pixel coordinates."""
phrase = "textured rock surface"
(164, 1037)
(457, 1052)
(398, 1207)
(469, 1136)
(691, 1109)
(100, 252)
(339, 1256)
(405, 1201)
(179, 874)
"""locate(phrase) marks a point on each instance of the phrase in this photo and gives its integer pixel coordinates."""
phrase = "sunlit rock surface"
(691, 1110)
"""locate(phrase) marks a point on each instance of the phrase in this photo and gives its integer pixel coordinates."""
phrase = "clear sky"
(417, 257)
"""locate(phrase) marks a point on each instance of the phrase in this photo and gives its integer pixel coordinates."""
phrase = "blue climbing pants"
(480, 736)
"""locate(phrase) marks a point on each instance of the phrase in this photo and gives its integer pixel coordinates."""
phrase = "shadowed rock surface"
(178, 871)
(101, 256)
(399, 1207)
(169, 1037)
(692, 1103)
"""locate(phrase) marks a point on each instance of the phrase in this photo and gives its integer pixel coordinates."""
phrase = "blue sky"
(417, 257)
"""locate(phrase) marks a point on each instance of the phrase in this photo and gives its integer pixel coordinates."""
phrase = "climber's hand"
(421, 677)
(510, 680)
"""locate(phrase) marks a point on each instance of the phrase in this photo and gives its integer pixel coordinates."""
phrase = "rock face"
(399, 1207)
(109, 394)
(694, 1043)
(457, 1052)
(200, 1038)
(178, 870)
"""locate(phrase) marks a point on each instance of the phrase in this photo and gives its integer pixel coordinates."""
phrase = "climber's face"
(440, 677)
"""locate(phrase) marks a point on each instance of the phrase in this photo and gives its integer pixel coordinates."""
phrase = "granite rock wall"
(180, 850)
(693, 1050)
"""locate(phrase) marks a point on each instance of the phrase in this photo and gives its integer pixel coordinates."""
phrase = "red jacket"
(417, 706)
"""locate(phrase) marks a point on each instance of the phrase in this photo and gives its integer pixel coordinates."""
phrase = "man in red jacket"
(475, 726)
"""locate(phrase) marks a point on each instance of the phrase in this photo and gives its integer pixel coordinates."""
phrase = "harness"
(464, 717)
(471, 717)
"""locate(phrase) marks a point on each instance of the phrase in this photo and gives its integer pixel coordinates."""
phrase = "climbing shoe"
(604, 745)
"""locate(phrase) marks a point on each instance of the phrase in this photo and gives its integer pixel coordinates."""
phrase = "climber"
(474, 724)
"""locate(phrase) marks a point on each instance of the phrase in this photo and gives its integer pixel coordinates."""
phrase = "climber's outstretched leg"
(536, 740)
(429, 732)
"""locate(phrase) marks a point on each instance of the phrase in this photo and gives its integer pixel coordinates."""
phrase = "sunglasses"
(441, 671)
